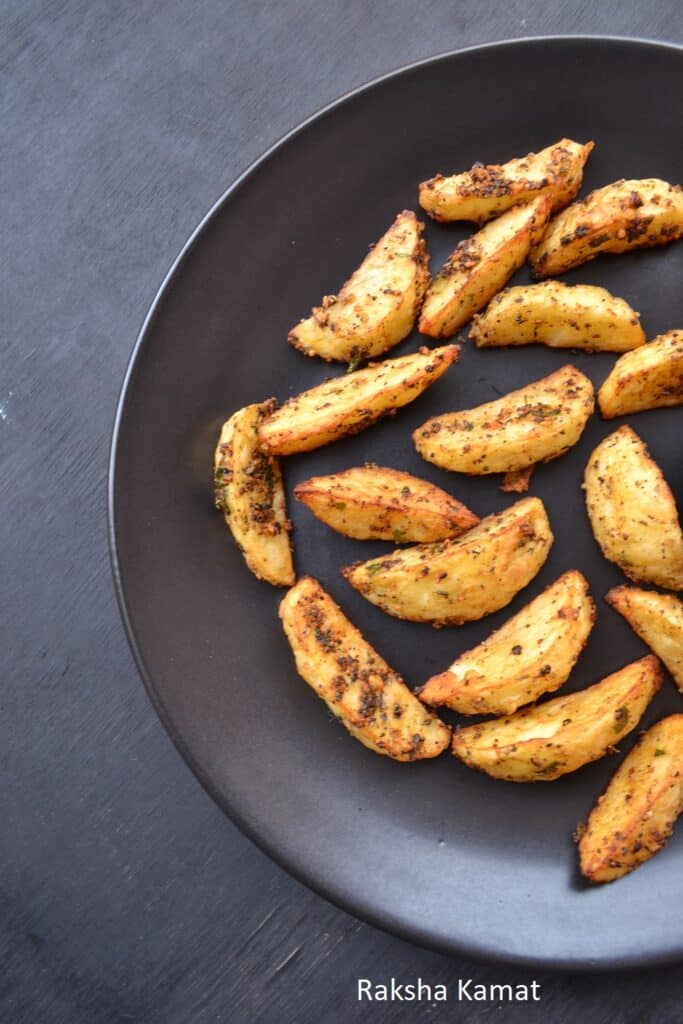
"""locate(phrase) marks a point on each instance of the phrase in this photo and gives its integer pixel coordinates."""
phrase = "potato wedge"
(534, 424)
(650, 378)
(545, 741)
(348, 404)
(377, 503)
(250, 493)
(633, 819)
(531, 654)
(480, 266)
(456, 581)
(632, 511)
(625, 215)
(377, 306)
(358, 686)
(487, 191)
(560, 316)
(658, 621)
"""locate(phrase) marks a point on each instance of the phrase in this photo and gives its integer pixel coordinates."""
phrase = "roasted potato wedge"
(480, 266)
(456, 581)
(650, 378)
(534, 424)
(632, 511)
(487, 191)
(531, 654)
(378, 305)
(625, 215)
(658, 621)
(250, 493)
(348, 404)
(636, 815)
(560, 316)
(545, 741)
(358, 686)
(377, 503)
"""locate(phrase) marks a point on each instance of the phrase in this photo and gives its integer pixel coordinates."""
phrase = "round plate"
(433, 851)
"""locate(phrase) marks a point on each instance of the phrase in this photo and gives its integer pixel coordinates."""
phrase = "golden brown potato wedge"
(250, 493)
(377, 306)
(658, 621)
(633, 819)
(531, 654)
(487, 191)
(348, 404)
(534, 424)
(456, 581)
(545, 741)
(377, 503)
(649, 378)
(480, 266)
(625, 215)
(560, 316)
(358, 686)
(633, 512)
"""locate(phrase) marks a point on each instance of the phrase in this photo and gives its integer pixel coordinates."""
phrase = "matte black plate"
(433, 851)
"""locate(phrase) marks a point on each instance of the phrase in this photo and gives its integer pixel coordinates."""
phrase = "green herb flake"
(354, 363)
(659, 752)
(621, 717)
(399, 535)
(373, 568)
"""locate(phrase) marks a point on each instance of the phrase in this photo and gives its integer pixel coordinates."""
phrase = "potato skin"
(377, 307)
(377, 503)
(545, 741)
(357, 685)
(632, 511)
(487, 191)
(560, 316)
(461, 580)
(649, 378)
(536, 423)
(531, 654)
(658, 621)
(633, 819)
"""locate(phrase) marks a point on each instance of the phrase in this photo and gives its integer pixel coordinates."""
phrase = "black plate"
(440, 854)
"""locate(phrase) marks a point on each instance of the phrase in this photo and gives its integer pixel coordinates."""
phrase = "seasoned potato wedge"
(625, 215)
(358, 686)
(650, 378)
(348, 404)
(658, 621)
(377, 503)
(250, 493)
(636, 815)
(632, 511)
(480, 266)
(377, 306)
(456, 581)
(545, 741)
(534, 424)
(560, 316)
(487, 191)
(531, 654)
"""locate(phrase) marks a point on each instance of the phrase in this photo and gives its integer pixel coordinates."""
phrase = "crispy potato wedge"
(377, 503)
(560, 316)
(534, 424)
(625, 215)
(658, 621)
(348, 404)
(250, 493)
(377, 306)
(456, 581)
(649, 378)
(531, 654)
(545, 741)
(632, 511)
(480, 266)
(633, 819)
(487, 191)
(358, 686)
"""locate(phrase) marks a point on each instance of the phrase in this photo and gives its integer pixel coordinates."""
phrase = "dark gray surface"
(125, 895)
